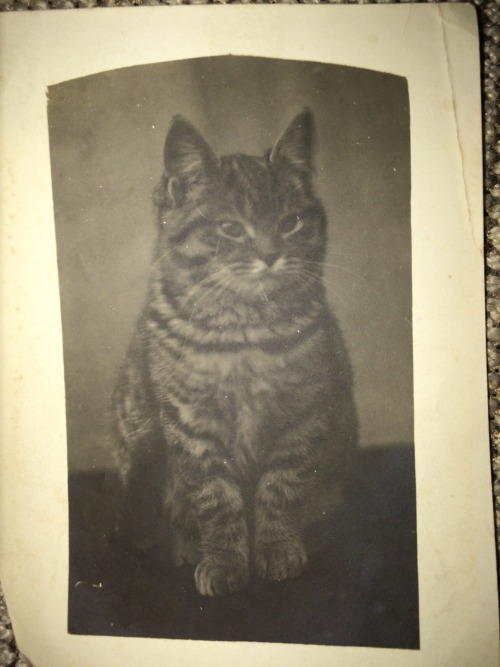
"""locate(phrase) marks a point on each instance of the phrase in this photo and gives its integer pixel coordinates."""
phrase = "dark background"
(106, 141)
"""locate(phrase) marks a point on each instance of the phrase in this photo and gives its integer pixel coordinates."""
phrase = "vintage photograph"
(234, 258)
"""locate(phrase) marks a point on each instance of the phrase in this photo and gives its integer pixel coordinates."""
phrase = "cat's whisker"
(308, 274)
(205, 283)
(234, 269)
(309, 281)
(363, 280)
(299, 264)
(334, 265)
(298, 268)
(309, 287)
(221, 284)
(207, 298)
(217, 281)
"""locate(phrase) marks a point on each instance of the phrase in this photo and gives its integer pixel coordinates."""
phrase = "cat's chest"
(245, 378)
(244, 398)
(245, 392)
(248, 392)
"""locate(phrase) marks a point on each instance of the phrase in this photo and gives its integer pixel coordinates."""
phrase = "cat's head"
(240, 225)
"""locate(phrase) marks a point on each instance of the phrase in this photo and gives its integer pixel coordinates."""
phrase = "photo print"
(234, 255)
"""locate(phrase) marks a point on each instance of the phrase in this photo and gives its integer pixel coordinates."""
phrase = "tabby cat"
(234, 409)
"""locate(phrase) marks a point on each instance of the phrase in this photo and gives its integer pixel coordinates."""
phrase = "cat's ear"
(188, 158)
(295, 145)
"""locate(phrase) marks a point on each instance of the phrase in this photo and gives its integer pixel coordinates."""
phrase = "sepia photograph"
(234, 256)
(245, 417)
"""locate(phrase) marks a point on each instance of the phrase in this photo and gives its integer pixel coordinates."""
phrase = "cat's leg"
(217, 508)
(279, 549)
(284, 490)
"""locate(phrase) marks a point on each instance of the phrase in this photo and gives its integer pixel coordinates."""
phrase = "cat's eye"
(291, 225)
(232, 229)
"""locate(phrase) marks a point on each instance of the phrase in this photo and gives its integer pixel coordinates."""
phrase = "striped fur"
(234, 408)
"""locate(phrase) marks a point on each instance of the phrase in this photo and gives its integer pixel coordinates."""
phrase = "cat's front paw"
(218, 577)
(280, 560)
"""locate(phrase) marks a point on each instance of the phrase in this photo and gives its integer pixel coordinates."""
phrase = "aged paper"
(434, 52)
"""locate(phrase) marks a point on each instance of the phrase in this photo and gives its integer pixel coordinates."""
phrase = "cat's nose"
(270, 258)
